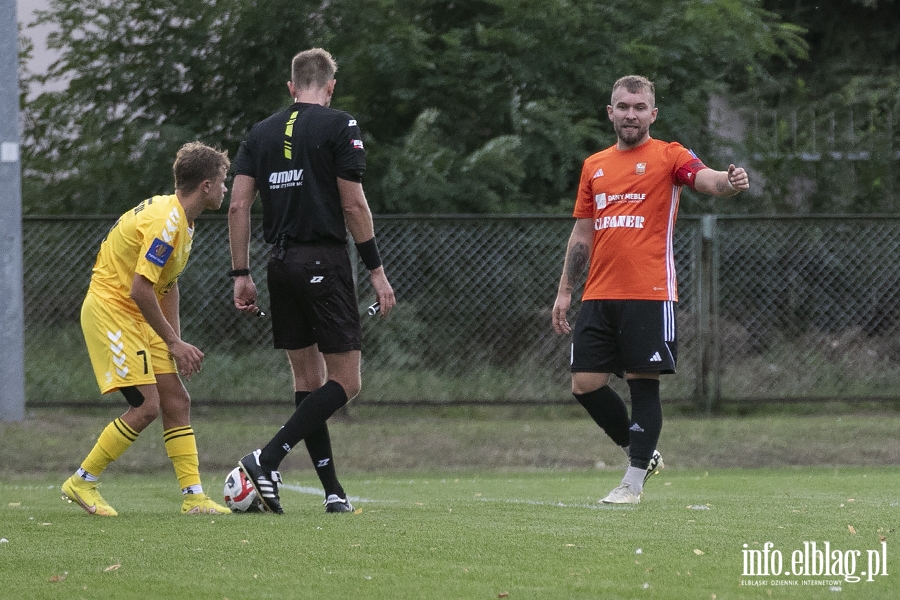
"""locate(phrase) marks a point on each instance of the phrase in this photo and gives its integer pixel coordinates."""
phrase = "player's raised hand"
(738, 178)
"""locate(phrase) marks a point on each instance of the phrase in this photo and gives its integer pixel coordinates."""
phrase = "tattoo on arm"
(578, 259)
(722, 187)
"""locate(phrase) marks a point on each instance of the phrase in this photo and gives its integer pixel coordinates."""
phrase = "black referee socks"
(309, 417)
(318, 444)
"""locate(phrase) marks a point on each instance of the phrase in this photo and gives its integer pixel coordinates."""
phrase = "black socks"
(646, 420)
(609, 412)
(318, 444)
(310, 417)
(640, 433)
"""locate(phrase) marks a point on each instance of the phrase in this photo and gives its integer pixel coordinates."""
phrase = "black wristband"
(368, 252)
(238, 272)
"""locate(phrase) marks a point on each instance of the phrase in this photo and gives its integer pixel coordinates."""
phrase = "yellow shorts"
(124, 351)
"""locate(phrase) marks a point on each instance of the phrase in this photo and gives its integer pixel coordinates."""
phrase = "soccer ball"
(240, 496)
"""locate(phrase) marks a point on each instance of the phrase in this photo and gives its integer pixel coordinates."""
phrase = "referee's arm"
(243, 193)
(358, 217)
(356, 210)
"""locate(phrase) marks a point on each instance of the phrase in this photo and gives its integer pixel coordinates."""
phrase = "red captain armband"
(687, 173)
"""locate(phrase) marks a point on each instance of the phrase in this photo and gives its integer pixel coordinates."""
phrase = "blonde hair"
(635, 84)
(313, 68)
(195, 163)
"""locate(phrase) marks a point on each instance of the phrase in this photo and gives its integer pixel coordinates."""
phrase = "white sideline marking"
(555, 504)
(304, 489)
(314, 491)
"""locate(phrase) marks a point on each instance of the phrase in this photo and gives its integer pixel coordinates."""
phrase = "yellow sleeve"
(158, 241)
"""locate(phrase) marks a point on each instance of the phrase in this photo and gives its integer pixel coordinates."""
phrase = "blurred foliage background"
(474, 106)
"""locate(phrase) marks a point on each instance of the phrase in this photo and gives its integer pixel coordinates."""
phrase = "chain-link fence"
(770, 308)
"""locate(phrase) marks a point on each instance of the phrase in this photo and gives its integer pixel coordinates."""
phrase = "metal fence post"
(344, 411)
(715, 365)
(12, 363)
(707, 377)
(699, 321)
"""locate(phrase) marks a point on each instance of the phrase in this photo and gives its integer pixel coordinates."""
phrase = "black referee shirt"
(296, 156)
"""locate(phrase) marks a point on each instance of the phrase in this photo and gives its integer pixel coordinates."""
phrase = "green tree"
(830, 125)
(539, 70)
(467, 106)
(144, 77)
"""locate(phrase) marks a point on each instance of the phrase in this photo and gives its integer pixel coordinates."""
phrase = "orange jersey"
(632, 197)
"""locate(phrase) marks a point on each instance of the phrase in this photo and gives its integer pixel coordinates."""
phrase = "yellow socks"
(181, 446)
(116, 438)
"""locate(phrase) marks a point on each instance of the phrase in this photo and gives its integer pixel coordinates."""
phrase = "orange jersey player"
(625, 215)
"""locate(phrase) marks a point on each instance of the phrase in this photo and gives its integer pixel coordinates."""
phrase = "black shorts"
(313, 299)
(625, 336)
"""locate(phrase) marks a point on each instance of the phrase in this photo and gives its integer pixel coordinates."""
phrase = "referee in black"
(307, 163)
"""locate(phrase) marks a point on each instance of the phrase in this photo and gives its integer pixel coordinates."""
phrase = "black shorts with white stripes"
(625, 336)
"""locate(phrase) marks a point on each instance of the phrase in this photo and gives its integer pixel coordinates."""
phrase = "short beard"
(628, 138)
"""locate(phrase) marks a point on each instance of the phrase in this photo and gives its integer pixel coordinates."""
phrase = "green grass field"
(453, 535)
(521, 524)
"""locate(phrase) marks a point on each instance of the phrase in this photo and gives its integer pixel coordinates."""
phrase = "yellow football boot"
(85, 494)
(201, 504)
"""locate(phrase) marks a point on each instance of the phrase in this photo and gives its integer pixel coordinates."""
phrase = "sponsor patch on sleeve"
(159, 252)
(358, 144)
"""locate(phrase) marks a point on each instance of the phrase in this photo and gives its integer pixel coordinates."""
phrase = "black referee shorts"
(313, 299)
(625, 336)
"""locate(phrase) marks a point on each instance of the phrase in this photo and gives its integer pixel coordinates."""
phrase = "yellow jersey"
(154, 240)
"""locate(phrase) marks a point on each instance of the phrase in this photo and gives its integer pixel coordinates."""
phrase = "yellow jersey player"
(130, 320)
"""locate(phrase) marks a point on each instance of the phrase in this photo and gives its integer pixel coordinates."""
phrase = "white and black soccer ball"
(240, 496)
